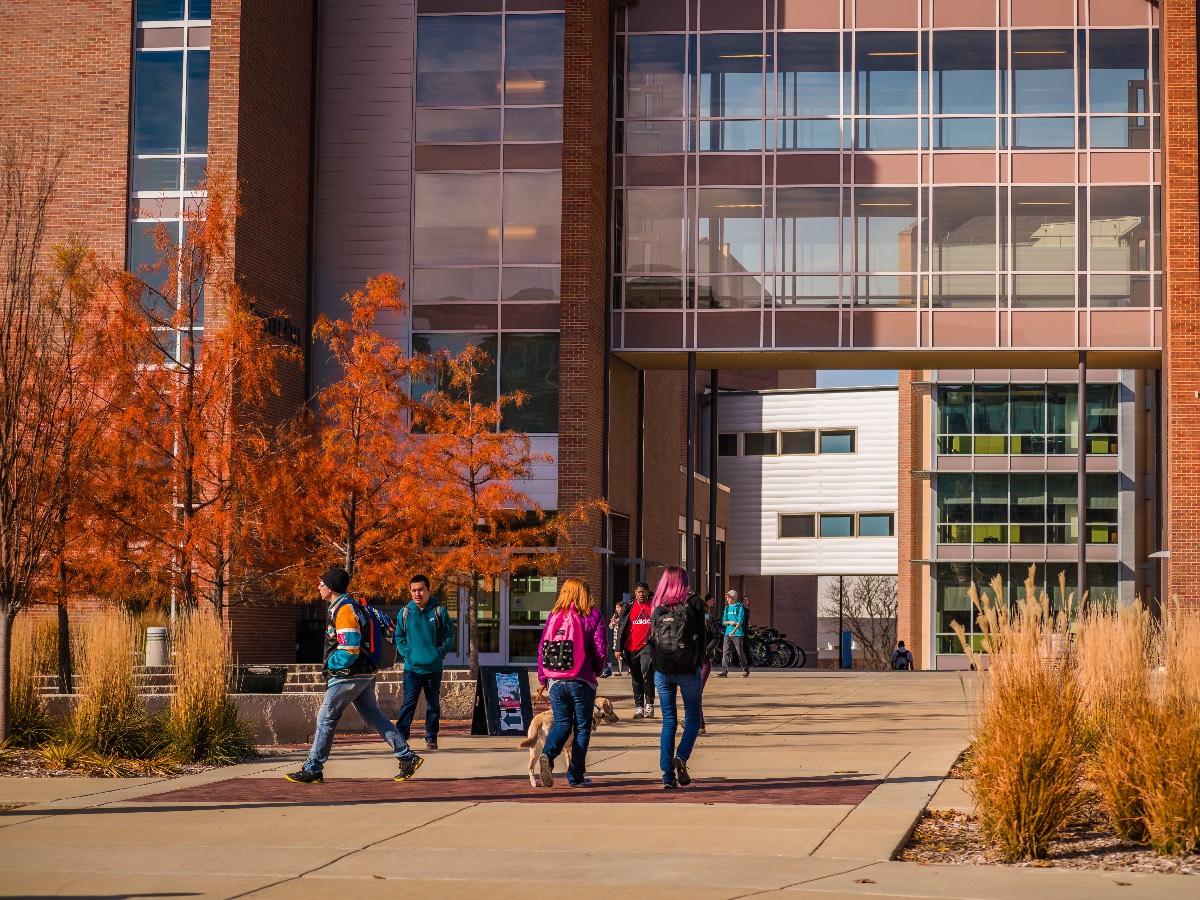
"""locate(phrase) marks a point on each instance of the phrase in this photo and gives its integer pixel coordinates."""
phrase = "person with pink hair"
(677, 641)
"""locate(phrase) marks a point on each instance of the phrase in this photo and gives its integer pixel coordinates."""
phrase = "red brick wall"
(1182, 301)
(909, 518)
(584, 266)
(67, 71)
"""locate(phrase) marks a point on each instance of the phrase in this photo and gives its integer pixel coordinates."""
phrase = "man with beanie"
(632, 631)
(349, 680)
(424, 635)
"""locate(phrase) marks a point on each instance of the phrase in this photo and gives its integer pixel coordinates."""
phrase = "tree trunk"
(66, 684)
(6, 620)
(473, 626)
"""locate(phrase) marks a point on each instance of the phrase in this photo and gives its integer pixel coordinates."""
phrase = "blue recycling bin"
(847, 651)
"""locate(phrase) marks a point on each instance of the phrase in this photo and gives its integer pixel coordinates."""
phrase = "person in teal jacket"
(734, 621)
(424, 635)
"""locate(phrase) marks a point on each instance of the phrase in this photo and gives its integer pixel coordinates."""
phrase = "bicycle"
(769, 648)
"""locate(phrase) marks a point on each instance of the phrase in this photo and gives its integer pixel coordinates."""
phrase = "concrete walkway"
(827, 773)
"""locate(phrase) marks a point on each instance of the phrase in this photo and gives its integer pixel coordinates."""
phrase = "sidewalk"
(805, 786)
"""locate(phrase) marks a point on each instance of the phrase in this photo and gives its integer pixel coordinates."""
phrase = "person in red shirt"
(632, 631)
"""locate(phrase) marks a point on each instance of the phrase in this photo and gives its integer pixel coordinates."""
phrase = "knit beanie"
(336, 580)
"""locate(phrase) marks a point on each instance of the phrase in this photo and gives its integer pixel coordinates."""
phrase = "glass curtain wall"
(1025, 419)
(744, 185)
(169, 134)
(487, 199)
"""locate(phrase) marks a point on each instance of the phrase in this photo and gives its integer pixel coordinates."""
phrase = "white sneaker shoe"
(639, 713)
(649, 712)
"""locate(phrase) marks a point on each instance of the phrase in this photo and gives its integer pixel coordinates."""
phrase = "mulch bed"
(508, 789)
(954, 838)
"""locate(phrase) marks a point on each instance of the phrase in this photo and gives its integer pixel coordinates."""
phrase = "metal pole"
(712, 483)
(841, 626)
(690, 565)
(1081, 574)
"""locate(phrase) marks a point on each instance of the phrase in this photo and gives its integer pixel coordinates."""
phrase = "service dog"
(539, 730)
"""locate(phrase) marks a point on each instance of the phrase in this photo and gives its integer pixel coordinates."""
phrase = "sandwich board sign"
(502, 701)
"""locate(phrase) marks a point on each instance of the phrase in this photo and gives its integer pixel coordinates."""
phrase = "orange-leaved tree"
(484, 524)
(364, 472)
(190, 435)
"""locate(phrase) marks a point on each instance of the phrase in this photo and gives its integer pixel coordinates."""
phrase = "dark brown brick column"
(1181, 238)
(584, 268)
(909, 518)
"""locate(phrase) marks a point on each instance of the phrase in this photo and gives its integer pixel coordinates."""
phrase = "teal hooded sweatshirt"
(417, 636)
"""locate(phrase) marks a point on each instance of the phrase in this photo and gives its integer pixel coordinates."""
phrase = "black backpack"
(676, 635)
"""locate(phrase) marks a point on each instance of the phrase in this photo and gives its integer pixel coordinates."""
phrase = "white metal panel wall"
(364, 150)
(764, 487)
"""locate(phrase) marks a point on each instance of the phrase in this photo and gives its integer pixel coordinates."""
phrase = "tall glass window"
(807, 91)
(1043, 85)
(1119, 83)
(964, 89)
(458, 60)
(963, 237)
(887, 245)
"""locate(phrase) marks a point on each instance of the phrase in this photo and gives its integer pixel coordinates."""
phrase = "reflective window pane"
(962, 229)
(1122, 132)
(158, 101)
(964, 134)
(1043, 71)
(836, 525)
(760, 443)
(886, 225)
(160, 10)
(808, 134)
(654, 292)
(1118, 69)
(837, 441)
(532, 217)
(730, 230)
(655, 86)
(808, 75)
(655, 136)
(964, 72)
(529, 363)
(876, 525)
(1043, 228)
(731, 134)
(534, 124)
(458, 60)
(455, 343)
(533, 59)
(541, 285)
(727, 444)
(145, 260)
(1120, 290)
(156, 175)
(199, 9)
(797, 526)
(437, 285)
(731, 75)
(197, 102)
(453, 126)
(456, 218)
(887, 134)
(887, 80)
(807, 230)
(1043, 291)
(963, 291)
(654, 230)
(804, 290)
(797, 442)
(1048, 133)
(195, 170)
(728, 292)
(1119, 230)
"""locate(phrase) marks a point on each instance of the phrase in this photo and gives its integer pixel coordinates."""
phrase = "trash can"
(156, 646)
(260, 679)
(847, 650)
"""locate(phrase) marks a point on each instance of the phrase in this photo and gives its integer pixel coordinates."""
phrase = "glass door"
(530, 599)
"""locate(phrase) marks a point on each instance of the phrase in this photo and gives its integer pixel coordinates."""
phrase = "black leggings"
(641, 673)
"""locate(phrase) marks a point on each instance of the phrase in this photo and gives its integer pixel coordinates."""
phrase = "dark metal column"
(690, 565)
(712, 482)
(1081, 493)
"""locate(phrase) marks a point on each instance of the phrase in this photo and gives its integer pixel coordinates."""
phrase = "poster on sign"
(503, 704)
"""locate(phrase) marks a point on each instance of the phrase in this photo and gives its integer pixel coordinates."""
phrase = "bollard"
(156, 646)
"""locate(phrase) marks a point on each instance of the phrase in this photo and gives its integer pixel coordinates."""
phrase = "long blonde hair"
(574, 594)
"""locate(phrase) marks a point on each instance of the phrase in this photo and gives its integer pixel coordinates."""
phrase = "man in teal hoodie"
(734, 621)
(424, 635)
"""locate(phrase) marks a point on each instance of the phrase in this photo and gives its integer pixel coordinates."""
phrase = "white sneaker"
(639, 713)
(649, 712)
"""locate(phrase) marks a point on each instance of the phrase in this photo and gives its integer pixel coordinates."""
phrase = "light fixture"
(514, 231)
(742, 56)
(1039, 53)
(892, 53)
(737, 206)
(885, 204)
(524, 84)
(1043, 203)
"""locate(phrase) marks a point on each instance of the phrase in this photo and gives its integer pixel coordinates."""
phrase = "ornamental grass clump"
(1114, 650)
(202, 720)
(29, 723)
(1028, 755)
(109, 716)
(1170, 744)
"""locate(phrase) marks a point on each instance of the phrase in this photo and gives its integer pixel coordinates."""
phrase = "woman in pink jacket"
(571, 657)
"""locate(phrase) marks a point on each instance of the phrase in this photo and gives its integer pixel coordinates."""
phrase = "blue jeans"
(572, 703)
(691, 687)
(360, 694)
(414, 683)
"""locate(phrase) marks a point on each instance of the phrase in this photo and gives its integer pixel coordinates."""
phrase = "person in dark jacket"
(632, 630)
(902, 657)
(677, 671)
(424, 635)
(350, 681)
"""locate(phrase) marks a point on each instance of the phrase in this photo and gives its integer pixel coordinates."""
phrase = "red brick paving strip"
(766, 791)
